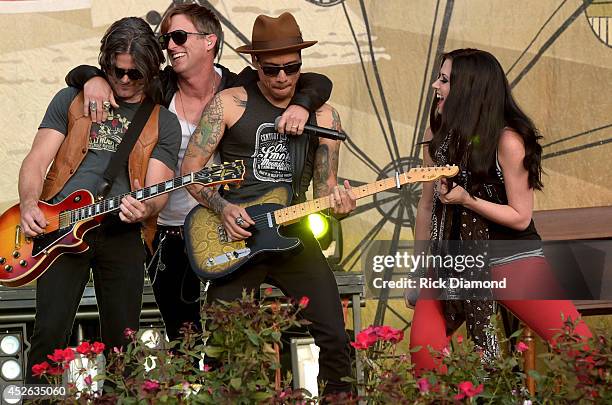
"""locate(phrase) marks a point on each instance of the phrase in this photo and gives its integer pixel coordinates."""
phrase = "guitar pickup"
(222, 234)
(227, 257)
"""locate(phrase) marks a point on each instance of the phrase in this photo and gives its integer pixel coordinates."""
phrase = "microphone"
(319, 131)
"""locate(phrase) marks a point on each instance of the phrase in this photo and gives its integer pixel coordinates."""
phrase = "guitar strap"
(128, 141)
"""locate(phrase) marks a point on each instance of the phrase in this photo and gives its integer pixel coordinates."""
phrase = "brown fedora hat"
(273, 35)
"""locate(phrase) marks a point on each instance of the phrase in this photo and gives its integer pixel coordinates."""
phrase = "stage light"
(13, 360)
(328, 232)
(10, 345)
(318, 224)
(10, 370)
(11, 394)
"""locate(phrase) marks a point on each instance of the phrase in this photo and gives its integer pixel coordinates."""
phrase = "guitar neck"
(291, 214)
(112, 204)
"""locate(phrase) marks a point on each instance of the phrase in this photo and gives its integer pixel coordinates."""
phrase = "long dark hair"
(476, 110)
(134, 36)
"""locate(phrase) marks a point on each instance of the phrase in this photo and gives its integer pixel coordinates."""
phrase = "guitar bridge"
(222, 234)
(227, 257)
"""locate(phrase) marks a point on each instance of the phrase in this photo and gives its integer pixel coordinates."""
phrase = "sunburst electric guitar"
(213, 256)
(24, 259)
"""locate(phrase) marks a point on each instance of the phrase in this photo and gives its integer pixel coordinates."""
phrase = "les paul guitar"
(213, 256)
(24, 259)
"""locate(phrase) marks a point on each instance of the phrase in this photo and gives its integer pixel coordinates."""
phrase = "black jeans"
(301, 273)
(116, 257)
(175, 285)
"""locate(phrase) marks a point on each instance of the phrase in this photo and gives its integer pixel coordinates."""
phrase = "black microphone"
(319, 131)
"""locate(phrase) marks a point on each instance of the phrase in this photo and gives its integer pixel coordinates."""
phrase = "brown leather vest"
(74, 148)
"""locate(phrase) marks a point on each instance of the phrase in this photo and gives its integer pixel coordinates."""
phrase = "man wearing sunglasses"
(79, 152)
(191, 35)
(239, 124)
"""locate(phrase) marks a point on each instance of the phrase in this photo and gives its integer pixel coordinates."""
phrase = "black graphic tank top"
(265, 152)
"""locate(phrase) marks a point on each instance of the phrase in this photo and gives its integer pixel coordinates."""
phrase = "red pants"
(542, 316)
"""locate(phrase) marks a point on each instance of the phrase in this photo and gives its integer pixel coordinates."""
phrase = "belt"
(175, 231)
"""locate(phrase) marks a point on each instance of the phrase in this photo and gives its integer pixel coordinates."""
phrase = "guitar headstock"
(228, 172)
(430, 173)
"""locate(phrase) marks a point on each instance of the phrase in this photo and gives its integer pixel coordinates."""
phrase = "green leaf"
(253, 337)
(213, 351)
(236, 383)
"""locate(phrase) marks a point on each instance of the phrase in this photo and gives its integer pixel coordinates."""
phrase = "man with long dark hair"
(192, 36)
(476, 124)
(80, 152)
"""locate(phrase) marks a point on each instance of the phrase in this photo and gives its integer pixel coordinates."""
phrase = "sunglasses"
(133, 74)
(289, 69)
(178, 36)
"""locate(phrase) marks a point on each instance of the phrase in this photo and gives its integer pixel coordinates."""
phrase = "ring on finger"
(106, 106)
(93, 106)
(239, 220)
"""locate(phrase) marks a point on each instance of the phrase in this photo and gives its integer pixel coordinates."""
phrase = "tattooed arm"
(325, 176)
(223, 111)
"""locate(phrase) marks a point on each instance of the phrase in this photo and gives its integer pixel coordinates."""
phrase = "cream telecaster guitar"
(213, 256)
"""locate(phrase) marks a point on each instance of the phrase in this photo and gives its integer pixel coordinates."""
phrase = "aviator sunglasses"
(289, 69)
(133, 74)
(178, 36)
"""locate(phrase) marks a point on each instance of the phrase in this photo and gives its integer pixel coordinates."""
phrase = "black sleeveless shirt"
(265, 152)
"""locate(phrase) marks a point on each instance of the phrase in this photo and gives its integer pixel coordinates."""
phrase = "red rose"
(97, 347)
(390, 334)
(40, 369)
(84, 348)
(56, 371)
(366, 338)
(88, 380)
(467, 389)
(304, 302)
(57, 356)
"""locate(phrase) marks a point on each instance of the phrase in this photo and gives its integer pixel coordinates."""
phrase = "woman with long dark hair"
(476, 124)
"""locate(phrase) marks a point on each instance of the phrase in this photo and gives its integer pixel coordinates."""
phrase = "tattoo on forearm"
(239, 102)
(321, 171)
(213, 200)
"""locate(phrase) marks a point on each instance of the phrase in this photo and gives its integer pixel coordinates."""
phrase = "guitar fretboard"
(216, 174)
(295, 212)
(112, 204)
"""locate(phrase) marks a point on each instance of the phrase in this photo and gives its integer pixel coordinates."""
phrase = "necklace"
(200, 110)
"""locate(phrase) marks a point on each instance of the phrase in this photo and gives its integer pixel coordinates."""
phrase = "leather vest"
(74, 148)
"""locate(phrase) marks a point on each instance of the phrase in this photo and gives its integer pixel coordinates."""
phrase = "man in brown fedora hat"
(238, 123)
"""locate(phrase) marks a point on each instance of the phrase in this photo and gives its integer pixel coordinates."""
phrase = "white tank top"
(180, 202)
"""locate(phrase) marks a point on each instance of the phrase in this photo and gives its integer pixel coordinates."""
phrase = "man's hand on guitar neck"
(342, 200)
(235, 221)
(33, 220)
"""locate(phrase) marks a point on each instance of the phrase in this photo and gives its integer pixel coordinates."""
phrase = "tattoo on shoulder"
(336, 120)
(208, 132)
(239, 102)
